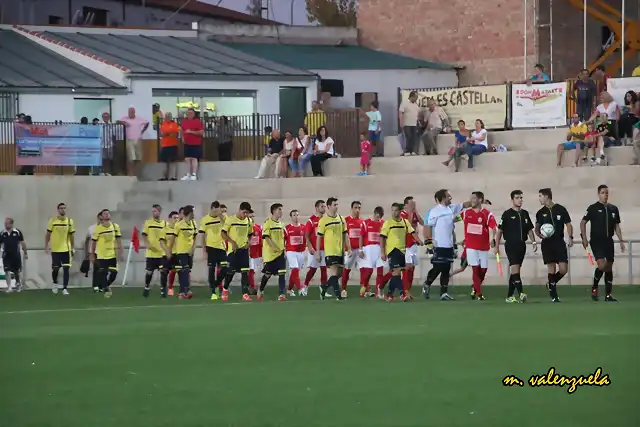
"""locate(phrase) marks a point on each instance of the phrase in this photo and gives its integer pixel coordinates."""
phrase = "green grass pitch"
(81, 361)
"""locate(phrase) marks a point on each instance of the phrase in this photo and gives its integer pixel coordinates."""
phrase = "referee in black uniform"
(605, 221)
(554, 248)
(516, 226)
(12, 240)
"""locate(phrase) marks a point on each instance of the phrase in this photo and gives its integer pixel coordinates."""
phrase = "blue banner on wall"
(58, 145)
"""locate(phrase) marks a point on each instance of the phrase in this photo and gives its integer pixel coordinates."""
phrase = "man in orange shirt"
(169, 131)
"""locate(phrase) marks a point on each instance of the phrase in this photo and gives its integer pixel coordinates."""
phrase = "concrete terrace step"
(460, 184)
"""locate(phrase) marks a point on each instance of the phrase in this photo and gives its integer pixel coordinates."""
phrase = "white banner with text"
(539, 105)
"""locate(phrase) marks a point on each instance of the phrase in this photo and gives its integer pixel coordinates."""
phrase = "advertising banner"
(58, 145)
(539, 105)
(488, 103)
(619, 87)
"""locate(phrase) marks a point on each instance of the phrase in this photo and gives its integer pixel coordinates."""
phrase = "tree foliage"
(254, 8)
(332, 13)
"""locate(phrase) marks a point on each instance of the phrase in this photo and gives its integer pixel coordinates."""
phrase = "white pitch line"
(68, 310)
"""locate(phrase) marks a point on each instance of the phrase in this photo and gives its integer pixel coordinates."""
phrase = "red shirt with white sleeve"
(413, 220)
(355, 229)
(295, 240)
(312, 228)
(255, 243)
(476, 228)
(372, 231)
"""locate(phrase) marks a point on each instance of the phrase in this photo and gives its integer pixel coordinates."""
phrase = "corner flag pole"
(134, 244)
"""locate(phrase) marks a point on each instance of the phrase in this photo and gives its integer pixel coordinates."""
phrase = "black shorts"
(515, 252)
(155, 263)
(170, 264)
(239, 260)
(193, 151)
(12, 262)
(603, 249)
(60, 259)
(277, 266)
(396, 259)
(554, 251)
(442, 256)
(183, 261)
(216, 257)
(334, 260)
(168, 154)
(110, 264)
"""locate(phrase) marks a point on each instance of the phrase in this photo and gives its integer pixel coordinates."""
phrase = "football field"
(81, 360)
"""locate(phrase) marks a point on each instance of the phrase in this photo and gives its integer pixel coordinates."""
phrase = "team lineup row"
(335, 245)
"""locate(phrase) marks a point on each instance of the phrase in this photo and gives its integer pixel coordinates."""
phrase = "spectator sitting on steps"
(273, 157)
(460, 146)
(575, 139)
(478, 143)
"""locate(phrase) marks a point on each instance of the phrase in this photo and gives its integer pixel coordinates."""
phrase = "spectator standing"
(600, 75)
(192, 132)
(375, 126)
(315, 118)
(307, 150)
(478, 143)
(109, 137)
(271, 159)
(575, 139)
(135, 127)
(323, 149)
(292, 150)
(169, 132)
(630, 114)
(224, 133)
(25, 121)
(408, 116)
(539, 76)
(584, 93)
(460, 146)
(435, 120)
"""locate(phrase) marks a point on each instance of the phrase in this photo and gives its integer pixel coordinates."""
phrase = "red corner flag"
(135, 239)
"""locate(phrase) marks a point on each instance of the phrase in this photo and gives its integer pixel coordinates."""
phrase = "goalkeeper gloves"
(429, 244)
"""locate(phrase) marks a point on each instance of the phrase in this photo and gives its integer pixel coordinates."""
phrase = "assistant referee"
(516, 226)
(605, 221)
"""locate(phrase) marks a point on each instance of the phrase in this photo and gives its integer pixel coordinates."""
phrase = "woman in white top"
(298, 163)
(609, 107)
(477, 143)
(322, 150)
(292, 150)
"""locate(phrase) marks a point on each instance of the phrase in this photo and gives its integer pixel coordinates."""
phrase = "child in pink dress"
(365, 154)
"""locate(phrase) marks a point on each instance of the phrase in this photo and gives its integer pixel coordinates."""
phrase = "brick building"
(486, 37)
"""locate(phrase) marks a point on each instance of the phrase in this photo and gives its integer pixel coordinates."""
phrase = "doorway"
(293, 107)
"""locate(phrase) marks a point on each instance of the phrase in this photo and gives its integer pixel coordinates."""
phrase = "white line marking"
(65, 310)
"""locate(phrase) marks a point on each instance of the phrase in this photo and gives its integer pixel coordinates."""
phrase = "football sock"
(395, 283)
(227, 280)
(410, 272)
(212, 276)
(111, 277)
(552, 285)
(345, 278)
(244, 282)
(282, 283)
(309, 276)
(597, 275)
(252, 278)
(432, 274)
(323, 275)
(512, 285)
(294, 279)
(365, 277)
(405, 280)
(65, 276)
(263, 281)
(172, 278)
(147, 279)
(183, 280)
(221, 273)
(164, 275)
(95, 278)
(54, 275)
(385, 279)
(334, 282)
(445, 273)
(608, 282)
(476, 279)
(517, 281)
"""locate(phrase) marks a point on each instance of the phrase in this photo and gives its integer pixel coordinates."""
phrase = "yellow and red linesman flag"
(135, 239)
(499, 265)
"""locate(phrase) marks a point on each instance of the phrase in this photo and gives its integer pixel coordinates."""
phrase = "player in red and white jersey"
(477, 223)
(255, 252)
(411, 255)
(371, 261)
(355, 230)
(310, 235)
(295, 245)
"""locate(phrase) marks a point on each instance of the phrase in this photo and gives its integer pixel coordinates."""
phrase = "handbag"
(295, 153)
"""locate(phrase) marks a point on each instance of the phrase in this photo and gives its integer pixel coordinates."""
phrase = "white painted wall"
(386, 84)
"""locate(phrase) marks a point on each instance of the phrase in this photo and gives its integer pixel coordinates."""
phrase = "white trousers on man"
(267, 165)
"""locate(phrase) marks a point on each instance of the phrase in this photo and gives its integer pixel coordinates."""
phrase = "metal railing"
(113, 150)
(37, 271)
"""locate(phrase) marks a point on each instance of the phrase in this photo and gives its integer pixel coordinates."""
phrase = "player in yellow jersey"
(168, 274)
(154, 238)
(332, 228)
(393, 247)
(214, 249)
(184, 243)
(236, 231)
(59, 242)
(106, 249)
(273, 255)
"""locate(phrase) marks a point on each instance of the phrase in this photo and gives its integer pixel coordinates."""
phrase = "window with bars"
(8, 105)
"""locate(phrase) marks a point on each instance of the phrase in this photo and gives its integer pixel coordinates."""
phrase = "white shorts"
(295, 260)
(255, 264)
(411, 255)
(312, 262)
(478, 258)
(353, 260)
(372, 257)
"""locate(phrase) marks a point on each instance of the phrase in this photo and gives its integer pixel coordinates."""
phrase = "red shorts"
(365, 160)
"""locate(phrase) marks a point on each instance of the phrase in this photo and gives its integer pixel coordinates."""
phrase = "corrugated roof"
(321, 57)
(26, 65)
(175, 55)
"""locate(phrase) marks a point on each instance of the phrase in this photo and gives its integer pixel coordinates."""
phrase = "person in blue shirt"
(540, 76)
(375, 125)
